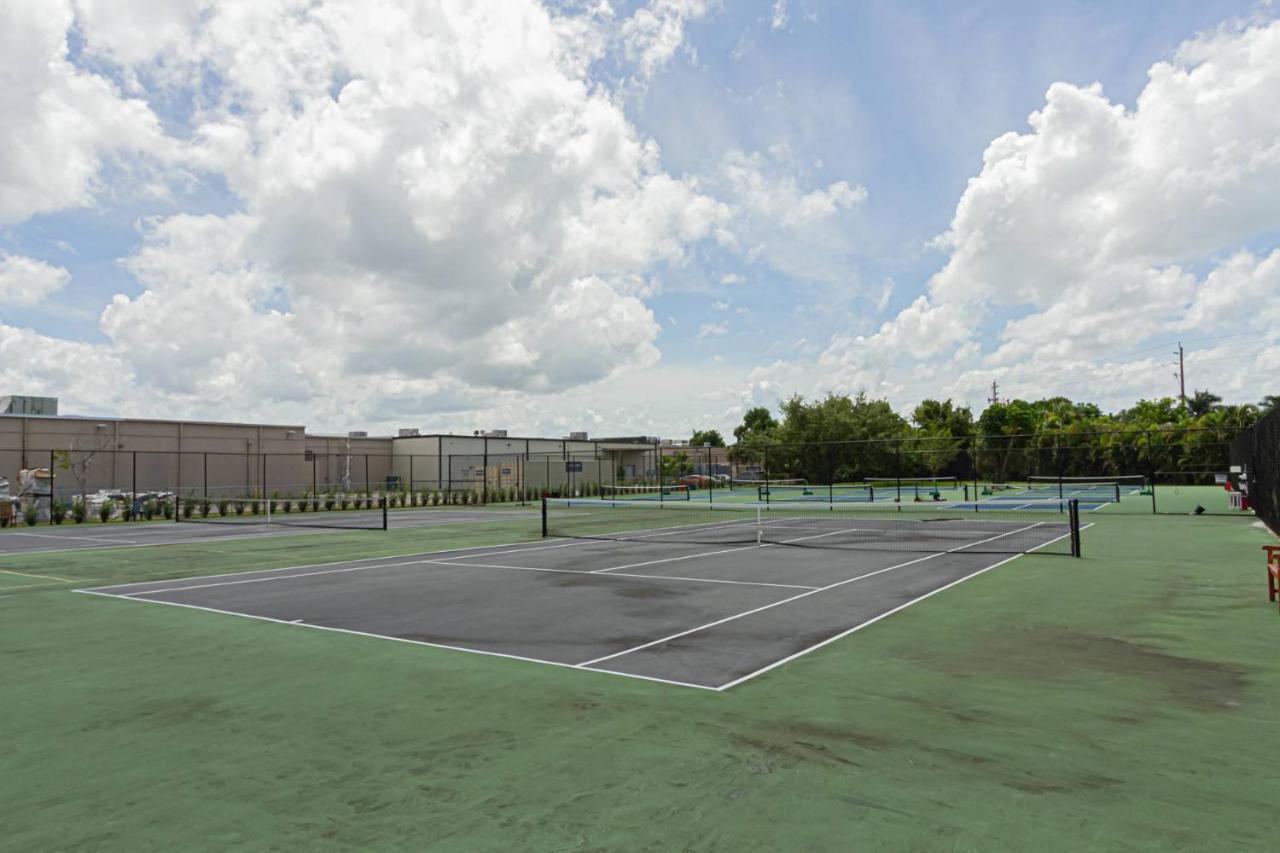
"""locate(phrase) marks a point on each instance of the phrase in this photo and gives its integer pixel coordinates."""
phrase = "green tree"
(676, 465)
(1153, 413)
(1006, 430)
(756, 431)
(934, 417)
(931, 451)
(809, 431)
(703, 437)
(1202, 403)
(1269, 403)
(756, 422)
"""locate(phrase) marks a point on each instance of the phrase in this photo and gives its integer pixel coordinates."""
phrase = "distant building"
(16, 404)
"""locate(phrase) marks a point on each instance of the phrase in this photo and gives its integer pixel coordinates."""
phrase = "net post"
(831, 476)
(657, 458)
(269, 505)
(1074, 520)
(544, 517)
(710, 481)
(384, 512)
(1117, 491)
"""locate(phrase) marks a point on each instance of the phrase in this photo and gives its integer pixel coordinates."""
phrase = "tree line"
(842, 438)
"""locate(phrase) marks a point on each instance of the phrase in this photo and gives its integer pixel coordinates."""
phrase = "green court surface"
(1125, 701)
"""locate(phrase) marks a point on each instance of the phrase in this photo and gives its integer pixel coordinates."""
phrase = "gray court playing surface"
(692, 614)
(70, 536)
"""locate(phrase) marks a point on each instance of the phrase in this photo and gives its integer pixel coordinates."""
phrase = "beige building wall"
(239, 460)
(89, 454)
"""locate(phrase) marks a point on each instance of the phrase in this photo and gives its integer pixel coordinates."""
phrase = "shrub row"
(77, 511)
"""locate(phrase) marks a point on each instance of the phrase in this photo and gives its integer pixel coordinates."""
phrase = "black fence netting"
(1257, 451)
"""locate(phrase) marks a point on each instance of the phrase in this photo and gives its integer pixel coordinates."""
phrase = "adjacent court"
(70, 536)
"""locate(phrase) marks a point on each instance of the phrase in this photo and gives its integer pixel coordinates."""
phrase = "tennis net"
(756, 484)
(808, 494)
(338, 513)
(673, 492)
(913, 485)
(1049, 526)
(1090, 488)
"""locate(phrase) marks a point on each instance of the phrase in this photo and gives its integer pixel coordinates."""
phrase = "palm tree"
(1202, 402)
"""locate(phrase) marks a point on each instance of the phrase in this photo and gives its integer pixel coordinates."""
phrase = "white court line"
(776, 604)
(727, 551)
(675, 559)
(755, 610)
(39, 577)
(199, 540)
(161, 526)
(397, 639)
(346, 564)
(617, 535)
(132, 597)
(63, 537)
(873, 620)
(348, 569)
(264, 580)
(782, 523)
(615, 574)
(418, 554)
(5, 590)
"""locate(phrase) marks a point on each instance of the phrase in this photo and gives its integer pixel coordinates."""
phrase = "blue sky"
(902, 98)
(639, 217)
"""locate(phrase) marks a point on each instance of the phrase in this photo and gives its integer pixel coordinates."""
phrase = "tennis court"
(691, 596)
(216, 529)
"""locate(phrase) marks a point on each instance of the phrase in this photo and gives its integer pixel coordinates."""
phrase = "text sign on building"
(573, 467)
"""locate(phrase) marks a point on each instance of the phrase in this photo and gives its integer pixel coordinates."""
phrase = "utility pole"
(1182, 378)
(995, 393)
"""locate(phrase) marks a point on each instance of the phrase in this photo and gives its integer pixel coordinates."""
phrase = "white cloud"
(440, 212)
(799, 233)
(27, 281)
(1083, 230)
(886, 293)
(653, 34)
(60, 123)
(96, 380)
(779, 14)
(472, 218)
